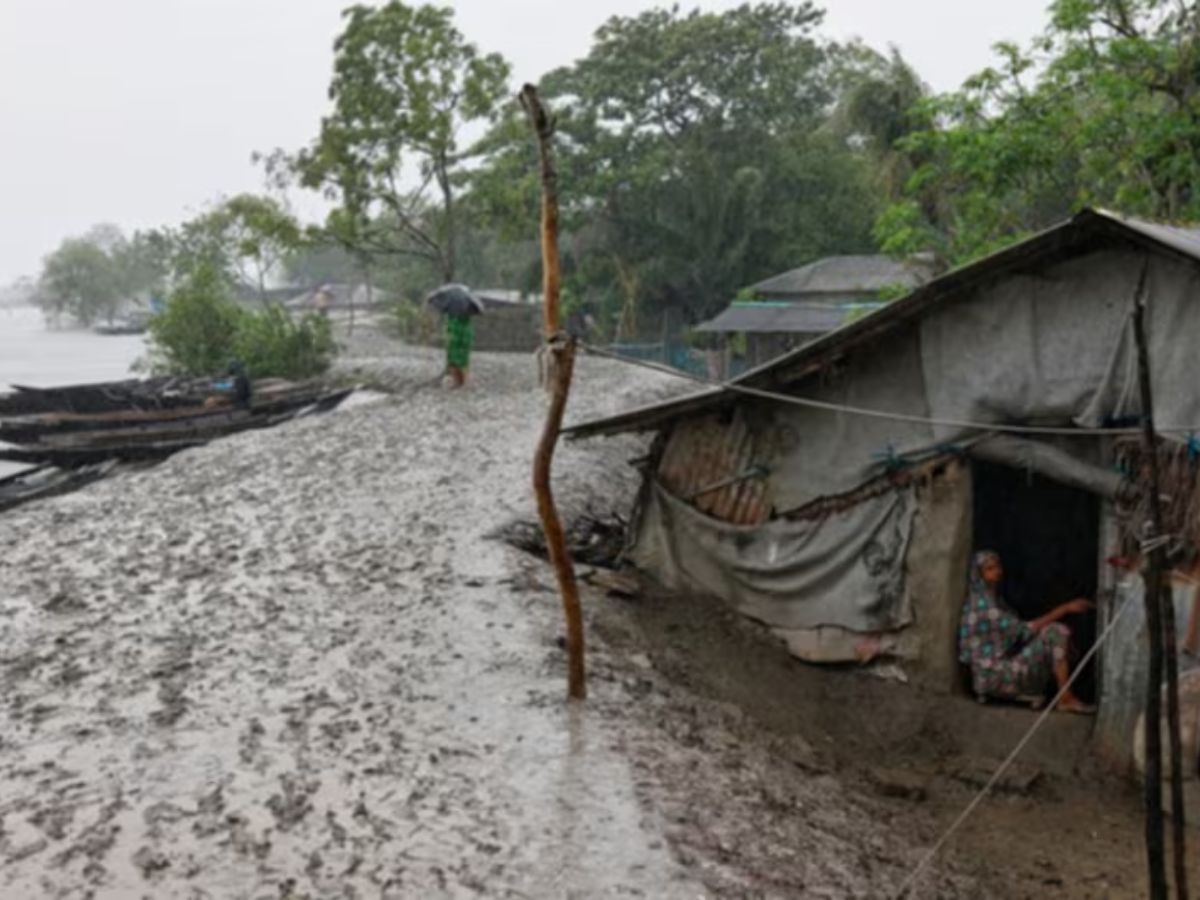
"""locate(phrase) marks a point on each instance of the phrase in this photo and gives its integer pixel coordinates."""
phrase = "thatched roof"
(839, 277)
(767, 316)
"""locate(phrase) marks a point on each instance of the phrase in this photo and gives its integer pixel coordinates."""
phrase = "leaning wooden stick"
(1160, 622)
(561, 358)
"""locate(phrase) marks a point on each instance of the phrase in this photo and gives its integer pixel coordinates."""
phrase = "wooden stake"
(561, 356)
(1155, 852)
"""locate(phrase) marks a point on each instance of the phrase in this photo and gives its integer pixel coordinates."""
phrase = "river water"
(34, 355)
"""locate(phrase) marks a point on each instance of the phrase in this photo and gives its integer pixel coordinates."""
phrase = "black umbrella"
(455, 300)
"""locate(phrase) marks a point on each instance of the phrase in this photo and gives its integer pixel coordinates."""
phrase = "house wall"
(511, 329)
(936, 574)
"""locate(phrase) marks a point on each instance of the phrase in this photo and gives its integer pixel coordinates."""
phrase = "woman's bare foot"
(1071, 703)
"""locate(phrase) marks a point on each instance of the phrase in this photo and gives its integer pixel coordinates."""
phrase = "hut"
(795, 307)
(836, 494)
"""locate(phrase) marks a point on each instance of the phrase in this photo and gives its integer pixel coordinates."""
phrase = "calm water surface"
(34, 355)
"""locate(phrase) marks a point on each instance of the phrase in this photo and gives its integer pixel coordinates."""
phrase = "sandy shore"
(290, 664)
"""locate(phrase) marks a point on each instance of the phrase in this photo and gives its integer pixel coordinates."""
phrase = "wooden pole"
(1153, 577)
(561, 357)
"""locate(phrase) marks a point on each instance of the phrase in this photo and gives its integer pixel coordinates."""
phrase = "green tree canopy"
(79, 280)
(697, 155)
(1102, 110)
(246, 239)
(405, 85)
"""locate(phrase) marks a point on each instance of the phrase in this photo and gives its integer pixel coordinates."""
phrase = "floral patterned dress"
(1008, 659)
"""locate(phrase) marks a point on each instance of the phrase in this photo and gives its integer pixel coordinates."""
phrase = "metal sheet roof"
(1085, 230)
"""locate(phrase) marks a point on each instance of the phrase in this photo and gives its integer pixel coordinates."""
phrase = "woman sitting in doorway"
(1008, 657)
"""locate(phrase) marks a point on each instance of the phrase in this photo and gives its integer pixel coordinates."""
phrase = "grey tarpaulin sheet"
(1053, 462)
(1047, 348)
(844, 570)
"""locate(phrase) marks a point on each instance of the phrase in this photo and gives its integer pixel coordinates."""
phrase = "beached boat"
(47, 481)
(200, 418)
(74, 435)
(106, 396)
(71, 439)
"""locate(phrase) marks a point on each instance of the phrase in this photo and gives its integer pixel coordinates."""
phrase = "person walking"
(460, 336)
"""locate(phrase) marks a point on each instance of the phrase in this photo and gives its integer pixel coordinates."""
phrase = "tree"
(881, 102)
(1101, 111)
(696, 157)
(143, 263)
(405, 84)
(79, 280)
(245, 239)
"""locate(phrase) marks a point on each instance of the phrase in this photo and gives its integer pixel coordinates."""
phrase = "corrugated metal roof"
(794, 318)
(863, 276)
(1085, 229)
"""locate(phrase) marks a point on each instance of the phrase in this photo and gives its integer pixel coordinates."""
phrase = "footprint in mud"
(172, 671)
(65, 602)
(294, 803)
(250, 743)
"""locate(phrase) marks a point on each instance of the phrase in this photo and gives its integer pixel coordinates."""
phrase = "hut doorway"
(1048, 536)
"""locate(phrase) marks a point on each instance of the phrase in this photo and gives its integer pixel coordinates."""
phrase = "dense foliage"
(202, 331)
(405, 83)
(699, 152)
(88, 278)
(1103, 109)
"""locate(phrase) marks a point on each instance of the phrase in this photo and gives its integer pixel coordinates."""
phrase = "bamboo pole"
(561, 357)
(1155, 851)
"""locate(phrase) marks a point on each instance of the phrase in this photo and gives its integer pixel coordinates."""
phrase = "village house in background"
(512, 322)
(849, 535)
(791, 309)
(337, 296)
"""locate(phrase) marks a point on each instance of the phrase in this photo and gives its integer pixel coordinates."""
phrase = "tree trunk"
(450, 252)
(561, 350)
(1155, 852)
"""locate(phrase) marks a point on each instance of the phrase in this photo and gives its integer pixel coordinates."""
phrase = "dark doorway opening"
(1048, 537)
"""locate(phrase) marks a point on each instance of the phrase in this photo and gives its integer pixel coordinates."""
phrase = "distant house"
(512, 322)
(795, 307)
(249, 294)
(336, 296)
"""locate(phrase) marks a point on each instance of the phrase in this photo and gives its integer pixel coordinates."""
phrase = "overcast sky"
(140, 112)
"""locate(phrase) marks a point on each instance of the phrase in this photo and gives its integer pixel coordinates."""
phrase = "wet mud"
(292, 664)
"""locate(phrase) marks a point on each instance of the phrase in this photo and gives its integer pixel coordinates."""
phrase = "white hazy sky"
(140, 112)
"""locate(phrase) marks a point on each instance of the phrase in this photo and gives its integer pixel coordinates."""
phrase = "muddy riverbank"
(292, 664)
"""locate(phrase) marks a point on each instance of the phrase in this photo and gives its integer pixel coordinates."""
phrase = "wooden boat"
(106, 396)
(47, 481)
(196, 419)
(134, 437)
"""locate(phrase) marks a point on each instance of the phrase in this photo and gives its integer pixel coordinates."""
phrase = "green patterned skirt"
(460, 335)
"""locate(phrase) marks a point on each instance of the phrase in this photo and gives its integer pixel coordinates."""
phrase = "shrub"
(201, 331)
(271, 344)
(196, 333)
